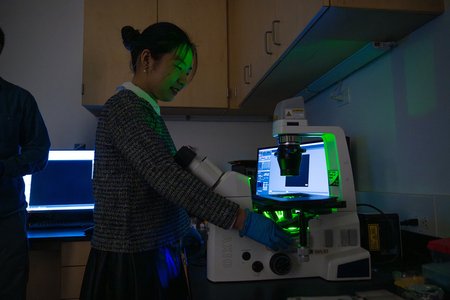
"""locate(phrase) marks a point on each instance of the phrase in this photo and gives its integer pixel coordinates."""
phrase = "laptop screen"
(312, 179)
(64, 184)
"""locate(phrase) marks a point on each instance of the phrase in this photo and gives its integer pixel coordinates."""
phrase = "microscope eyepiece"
(184, 156)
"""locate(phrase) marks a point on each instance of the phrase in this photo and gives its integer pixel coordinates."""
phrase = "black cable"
(371, 206)
(410, 222)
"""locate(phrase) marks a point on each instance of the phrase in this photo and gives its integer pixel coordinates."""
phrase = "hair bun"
(129, 37)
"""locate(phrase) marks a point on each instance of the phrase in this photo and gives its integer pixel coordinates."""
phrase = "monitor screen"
(312, 179)
(64, 184)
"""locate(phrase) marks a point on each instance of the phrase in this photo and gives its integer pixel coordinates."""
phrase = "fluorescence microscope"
(324, 225)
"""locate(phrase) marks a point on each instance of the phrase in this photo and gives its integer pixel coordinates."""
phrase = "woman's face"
(169, 75)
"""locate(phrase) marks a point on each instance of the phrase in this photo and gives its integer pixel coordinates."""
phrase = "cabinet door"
(249, 43)
(74, 256)
(205, 22)
(291, 17)
(259, 32)
(239, 47)
(106, 62)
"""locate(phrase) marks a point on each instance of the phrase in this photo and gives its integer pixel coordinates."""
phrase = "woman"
(143, 197)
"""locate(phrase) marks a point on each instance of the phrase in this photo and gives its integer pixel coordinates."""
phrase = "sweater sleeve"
(141, 136)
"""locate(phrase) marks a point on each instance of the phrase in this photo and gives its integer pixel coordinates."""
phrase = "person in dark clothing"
(143, 198)
(24, 147)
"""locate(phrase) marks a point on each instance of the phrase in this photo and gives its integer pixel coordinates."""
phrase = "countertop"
(414, 255)
(203, 289)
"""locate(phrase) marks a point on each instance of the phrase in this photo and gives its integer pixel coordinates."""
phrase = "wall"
(222, 142)
(397, 118)
(43, 53)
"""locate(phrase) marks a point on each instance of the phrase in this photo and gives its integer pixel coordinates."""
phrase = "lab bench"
(203, 289)
(414, 255)
(58, 258)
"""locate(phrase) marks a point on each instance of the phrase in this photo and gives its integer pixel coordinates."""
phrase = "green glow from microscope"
(293, 230)
(289, 219)
(333, 164)
(280, 214)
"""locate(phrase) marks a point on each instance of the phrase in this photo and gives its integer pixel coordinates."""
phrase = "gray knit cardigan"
(142, 196)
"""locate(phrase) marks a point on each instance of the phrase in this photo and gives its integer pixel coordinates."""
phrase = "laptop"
(61, 194)
(309, 188)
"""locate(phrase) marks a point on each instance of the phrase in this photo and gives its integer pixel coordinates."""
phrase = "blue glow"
(168, 266)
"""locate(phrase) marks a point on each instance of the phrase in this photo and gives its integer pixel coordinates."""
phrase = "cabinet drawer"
(75, 253)
(71, 279)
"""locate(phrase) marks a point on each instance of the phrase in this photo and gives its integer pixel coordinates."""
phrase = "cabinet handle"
(276, 32)
(231, 92)
(247, 73)
(266, 40)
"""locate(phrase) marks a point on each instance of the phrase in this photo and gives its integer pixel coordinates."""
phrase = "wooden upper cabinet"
(306, 40)
(251, 50)
(262, 51)
(291, 17)
(258, 37)
(240, 45)
(205, 22)
(106, 62)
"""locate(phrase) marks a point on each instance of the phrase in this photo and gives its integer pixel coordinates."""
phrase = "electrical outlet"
(340, 94)
(424, 224)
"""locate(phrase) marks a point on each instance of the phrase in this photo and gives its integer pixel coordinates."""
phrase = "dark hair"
(160, 38)
(2, 40)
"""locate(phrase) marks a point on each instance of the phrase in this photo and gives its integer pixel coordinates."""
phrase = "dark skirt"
(156, 274)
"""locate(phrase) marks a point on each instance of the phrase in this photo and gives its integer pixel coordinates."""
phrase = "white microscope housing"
(330, 247)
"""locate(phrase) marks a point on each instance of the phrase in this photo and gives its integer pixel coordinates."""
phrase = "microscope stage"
(299, 201)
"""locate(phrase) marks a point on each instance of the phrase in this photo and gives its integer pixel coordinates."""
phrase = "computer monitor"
(64, 185)
(313, 178)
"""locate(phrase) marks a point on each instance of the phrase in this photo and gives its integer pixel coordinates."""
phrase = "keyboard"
(59, 224)
(60, 219)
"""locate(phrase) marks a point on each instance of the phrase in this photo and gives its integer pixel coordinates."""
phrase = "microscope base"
(334, 255)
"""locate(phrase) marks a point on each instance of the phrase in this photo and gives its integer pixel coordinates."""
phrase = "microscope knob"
(303, 254)
(280, 264)
(257, 266)
(246, 256)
